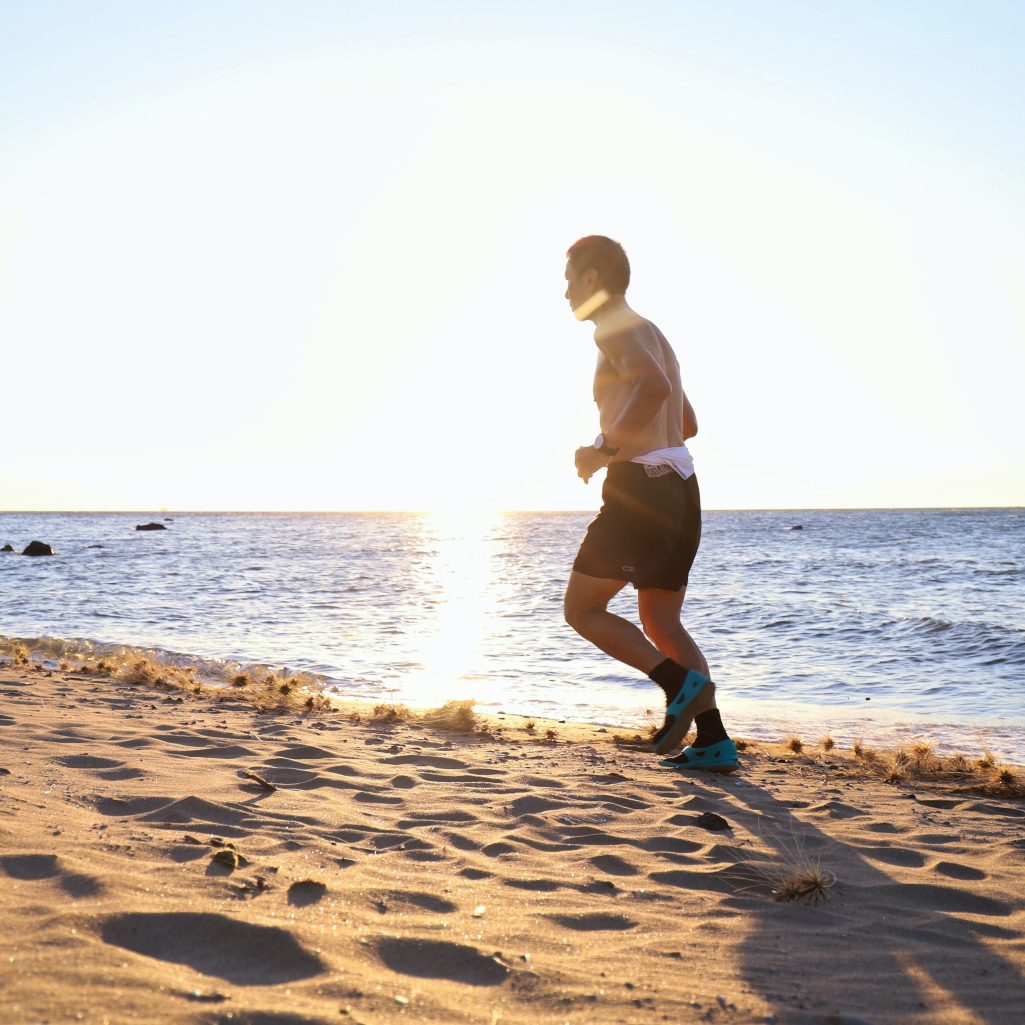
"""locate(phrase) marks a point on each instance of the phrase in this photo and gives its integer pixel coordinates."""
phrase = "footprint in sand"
(239, 952)
(927, 896)
(902, 856)
(397, 900)
(953, 870)
(613, 865)
(30, 866)
(437, 959)
(85, 761)
(78, 885)
(594, 923)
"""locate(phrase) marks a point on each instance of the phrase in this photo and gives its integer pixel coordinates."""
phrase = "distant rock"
(800, 526)
(6, 548)
(151, 526)
(38, 548)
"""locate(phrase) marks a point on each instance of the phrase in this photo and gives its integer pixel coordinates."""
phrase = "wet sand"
(400, 873)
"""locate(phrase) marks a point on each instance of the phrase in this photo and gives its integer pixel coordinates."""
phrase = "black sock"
(710, 728)
(669, 675)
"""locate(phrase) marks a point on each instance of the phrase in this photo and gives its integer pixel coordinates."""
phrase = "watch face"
(599, 441)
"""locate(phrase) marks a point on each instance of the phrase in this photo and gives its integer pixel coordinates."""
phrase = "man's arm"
(650, 386)
(690, 419)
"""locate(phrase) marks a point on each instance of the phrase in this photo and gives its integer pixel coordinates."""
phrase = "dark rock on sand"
(38, 548)
(151, 526)
(7, 548)
(709, 820)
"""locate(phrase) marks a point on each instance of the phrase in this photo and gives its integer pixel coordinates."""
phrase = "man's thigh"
(584, 592)
(660, 608)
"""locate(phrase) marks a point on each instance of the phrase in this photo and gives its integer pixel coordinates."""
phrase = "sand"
(399, 873)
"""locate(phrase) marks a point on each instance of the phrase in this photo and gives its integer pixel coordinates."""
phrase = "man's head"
(593, 263)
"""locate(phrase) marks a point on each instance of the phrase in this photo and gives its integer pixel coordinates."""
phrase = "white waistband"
(678, 457)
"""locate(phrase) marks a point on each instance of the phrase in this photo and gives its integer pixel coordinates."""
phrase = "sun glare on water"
(458, 573)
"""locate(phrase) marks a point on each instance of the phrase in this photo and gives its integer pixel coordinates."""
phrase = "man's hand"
(589, 461)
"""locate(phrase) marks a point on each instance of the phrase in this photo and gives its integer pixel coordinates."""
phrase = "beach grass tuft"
(530, 726)
(634, 743)
(17, 651)
(805, 882)
(794, 744)
(741, 745)
(453, 715)
(241, 680)
(827, 743)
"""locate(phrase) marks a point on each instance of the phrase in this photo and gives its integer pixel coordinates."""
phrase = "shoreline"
(766, 722)
(168, 856)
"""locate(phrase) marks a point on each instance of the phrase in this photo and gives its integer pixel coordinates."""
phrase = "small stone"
(402, 1000)
(479, 910)
(709, 820)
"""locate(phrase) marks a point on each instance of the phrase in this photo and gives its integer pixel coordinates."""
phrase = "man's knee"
(574, 613)
(659, 630)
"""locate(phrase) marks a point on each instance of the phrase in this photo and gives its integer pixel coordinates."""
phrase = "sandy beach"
(382, 871)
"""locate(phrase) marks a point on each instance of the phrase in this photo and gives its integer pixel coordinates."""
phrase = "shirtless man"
(649, 526)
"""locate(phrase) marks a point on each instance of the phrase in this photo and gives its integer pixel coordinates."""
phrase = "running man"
(649, 526)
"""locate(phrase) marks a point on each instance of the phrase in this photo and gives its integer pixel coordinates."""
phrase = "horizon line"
(502, 512)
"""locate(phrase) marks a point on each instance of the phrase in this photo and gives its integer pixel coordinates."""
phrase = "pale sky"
(310, 255)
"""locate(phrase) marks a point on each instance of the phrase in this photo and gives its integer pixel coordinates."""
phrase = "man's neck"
(615, 305)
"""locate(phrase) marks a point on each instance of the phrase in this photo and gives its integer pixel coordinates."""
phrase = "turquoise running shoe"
(721, 758)
(680, 711)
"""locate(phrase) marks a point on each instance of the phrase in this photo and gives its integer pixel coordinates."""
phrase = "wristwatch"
(601, 446)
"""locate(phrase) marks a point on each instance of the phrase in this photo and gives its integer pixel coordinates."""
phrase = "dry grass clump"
(805, 882)
(389, 714)
(551, 736)
(241, 680)
(144, 670)
(827, 743)
(922, 751)
(453, 715)
(634, 743)
(530, 725)
(741, 745)
(901, 758)
(794, 744)
(17, 651)
(862, 753)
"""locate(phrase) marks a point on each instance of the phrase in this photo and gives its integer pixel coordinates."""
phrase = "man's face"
(580, 287)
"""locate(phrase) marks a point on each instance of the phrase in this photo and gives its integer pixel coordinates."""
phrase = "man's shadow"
(879, 949)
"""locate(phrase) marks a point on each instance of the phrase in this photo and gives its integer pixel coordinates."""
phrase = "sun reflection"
(458, 574)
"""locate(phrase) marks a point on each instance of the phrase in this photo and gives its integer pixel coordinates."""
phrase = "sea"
(891, 625)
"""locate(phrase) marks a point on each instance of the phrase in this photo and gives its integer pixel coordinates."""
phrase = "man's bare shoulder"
(624, 324)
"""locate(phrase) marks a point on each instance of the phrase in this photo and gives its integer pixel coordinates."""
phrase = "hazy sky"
(309, 255)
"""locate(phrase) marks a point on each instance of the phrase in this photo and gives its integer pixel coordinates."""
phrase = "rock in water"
(800, 526)
(38, 548)
(151, 526)
(7, 548)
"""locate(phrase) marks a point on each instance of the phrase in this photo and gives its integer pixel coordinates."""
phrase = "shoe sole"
(719, 770)
(679, 729)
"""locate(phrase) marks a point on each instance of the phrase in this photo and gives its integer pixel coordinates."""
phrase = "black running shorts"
(647, 530)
